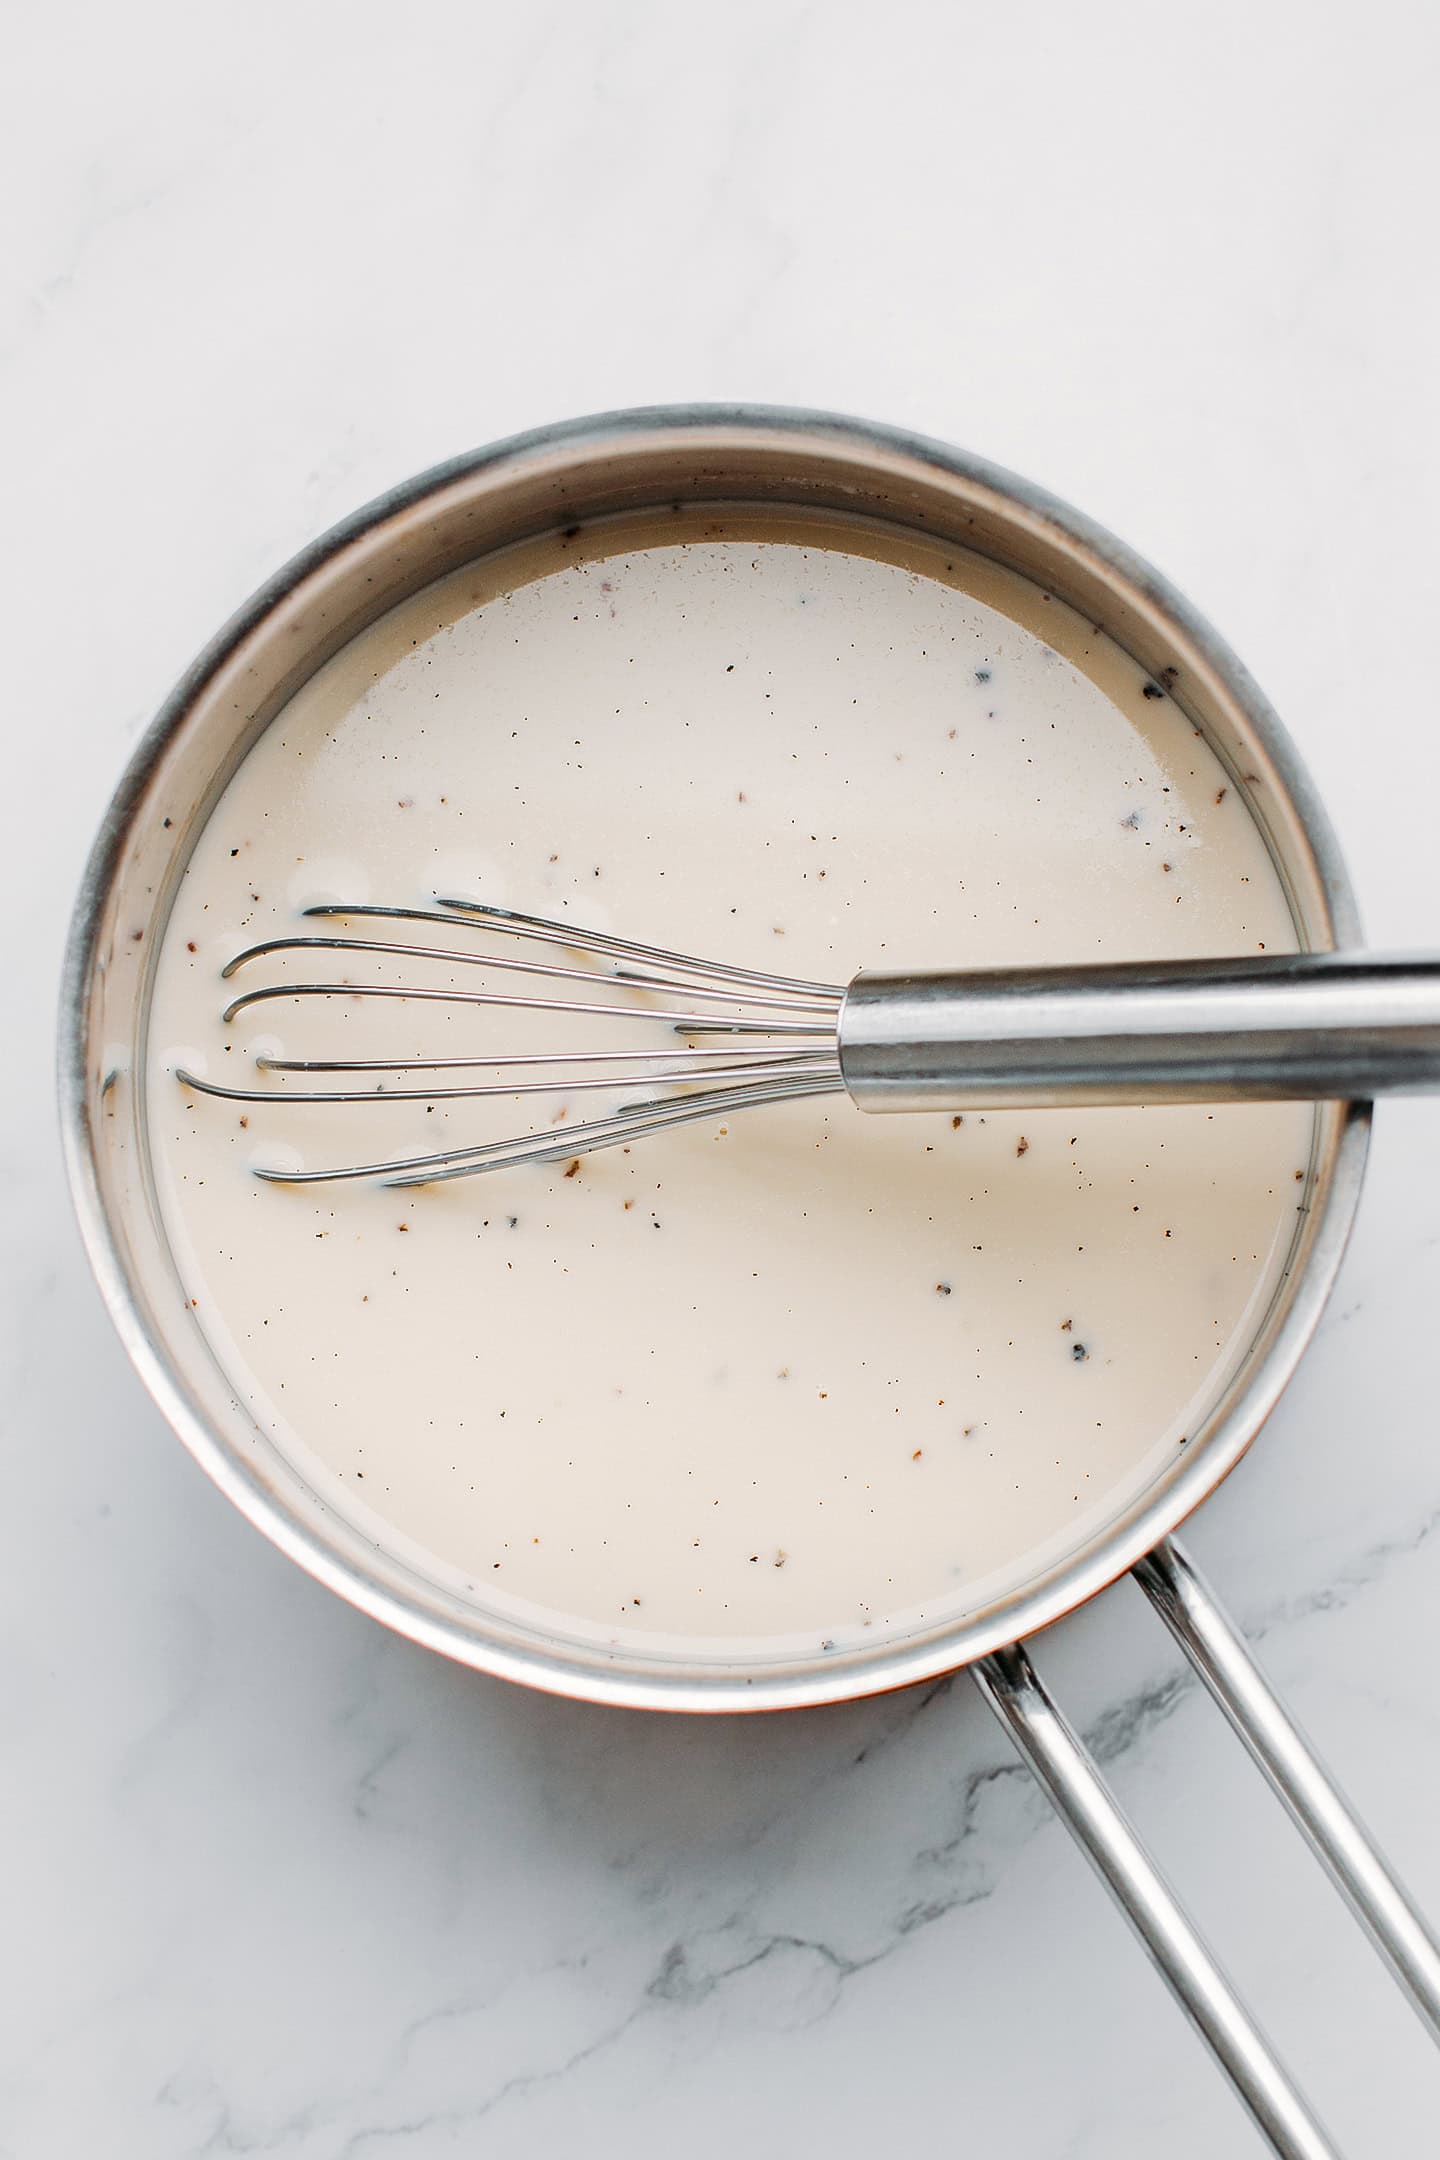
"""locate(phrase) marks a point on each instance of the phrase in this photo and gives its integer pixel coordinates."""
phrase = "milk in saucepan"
(802, 1374)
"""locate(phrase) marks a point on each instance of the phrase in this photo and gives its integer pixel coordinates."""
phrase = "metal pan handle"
(1222, 1658)
(1009, 1684)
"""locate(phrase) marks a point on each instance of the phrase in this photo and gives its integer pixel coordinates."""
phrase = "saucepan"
(781, 460)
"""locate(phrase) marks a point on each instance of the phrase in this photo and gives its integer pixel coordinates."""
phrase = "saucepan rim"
(317, 1539)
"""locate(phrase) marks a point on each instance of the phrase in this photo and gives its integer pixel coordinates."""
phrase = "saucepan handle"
(1009, 1684)
(1222, 1658)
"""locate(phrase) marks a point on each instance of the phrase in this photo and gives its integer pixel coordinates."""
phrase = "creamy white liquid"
(815, 1373)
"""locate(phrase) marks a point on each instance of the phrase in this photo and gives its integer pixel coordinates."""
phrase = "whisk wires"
(781, 1035)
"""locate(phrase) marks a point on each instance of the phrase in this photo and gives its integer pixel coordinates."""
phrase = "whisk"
(1304, 1026)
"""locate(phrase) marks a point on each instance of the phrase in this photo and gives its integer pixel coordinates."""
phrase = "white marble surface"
(276, 1883)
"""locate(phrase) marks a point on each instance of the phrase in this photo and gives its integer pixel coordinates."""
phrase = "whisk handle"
(1277, 1027)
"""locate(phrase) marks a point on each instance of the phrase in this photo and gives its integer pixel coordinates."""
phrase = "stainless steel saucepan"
(773, 461)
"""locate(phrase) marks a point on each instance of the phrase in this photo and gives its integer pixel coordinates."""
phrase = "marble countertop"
(276, 1882)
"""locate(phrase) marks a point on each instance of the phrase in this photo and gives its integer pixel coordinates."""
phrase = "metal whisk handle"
(1302, 1026)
